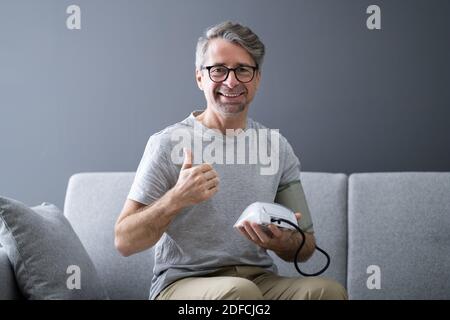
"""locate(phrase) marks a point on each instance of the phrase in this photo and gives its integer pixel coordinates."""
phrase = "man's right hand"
(195, 184)
(140, 226)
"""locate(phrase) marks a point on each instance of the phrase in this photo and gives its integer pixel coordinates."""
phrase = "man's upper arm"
(293, 197)
(290, 191)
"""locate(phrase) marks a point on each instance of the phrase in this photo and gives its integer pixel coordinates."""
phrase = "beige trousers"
(252, 283)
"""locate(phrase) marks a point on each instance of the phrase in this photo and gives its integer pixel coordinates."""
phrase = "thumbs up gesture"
(187, 161)
(195, 183)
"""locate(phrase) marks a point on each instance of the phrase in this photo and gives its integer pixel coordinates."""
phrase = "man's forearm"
(141, 230)
(306, 252)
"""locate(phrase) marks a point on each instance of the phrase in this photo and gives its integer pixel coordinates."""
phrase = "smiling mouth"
(231, 95)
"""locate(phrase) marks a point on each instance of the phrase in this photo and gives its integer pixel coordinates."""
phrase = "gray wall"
(348, 99)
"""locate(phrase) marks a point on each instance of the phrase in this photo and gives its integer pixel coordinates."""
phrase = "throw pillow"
(48, 258)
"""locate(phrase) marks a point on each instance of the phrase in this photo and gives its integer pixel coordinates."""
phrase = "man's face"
(229, 97)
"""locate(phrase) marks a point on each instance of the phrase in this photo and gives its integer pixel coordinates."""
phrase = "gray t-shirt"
(201, 239)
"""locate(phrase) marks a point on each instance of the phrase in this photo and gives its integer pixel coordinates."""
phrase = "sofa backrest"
(399, 229)
(94, 201)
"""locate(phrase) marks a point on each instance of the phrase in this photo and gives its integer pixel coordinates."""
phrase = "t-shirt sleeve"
(291, 165)
(154, 175)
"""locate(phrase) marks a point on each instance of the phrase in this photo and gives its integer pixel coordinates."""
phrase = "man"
(175, 203)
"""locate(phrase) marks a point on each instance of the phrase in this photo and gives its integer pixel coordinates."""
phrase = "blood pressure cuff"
(292, 196)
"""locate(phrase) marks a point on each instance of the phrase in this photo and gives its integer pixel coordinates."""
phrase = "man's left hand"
(278, 239)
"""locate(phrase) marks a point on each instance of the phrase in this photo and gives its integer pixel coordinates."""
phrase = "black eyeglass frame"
(254, 68)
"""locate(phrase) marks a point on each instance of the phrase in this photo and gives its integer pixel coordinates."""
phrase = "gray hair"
(232, 32)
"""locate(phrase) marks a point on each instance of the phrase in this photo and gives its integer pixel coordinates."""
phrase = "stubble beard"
(231, 109)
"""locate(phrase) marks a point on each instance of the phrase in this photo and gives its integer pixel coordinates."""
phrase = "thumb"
(298, 215)
(187, 162)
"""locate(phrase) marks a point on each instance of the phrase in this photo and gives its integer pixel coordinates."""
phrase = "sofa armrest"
(8, 285)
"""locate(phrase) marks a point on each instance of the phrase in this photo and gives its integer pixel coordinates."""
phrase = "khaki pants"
(252, 283)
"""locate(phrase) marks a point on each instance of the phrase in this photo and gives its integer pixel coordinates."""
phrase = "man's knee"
(239, 289)
(333, 290)
(321, 289)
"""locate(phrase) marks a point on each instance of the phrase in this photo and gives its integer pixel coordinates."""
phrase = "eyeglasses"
(243, 74)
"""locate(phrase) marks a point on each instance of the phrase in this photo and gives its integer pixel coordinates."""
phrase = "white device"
(263, 212)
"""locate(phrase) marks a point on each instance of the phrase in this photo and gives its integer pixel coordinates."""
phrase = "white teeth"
(231, 95)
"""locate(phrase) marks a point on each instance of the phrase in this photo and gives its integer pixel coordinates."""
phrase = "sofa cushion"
(399, 227)
(47, 257)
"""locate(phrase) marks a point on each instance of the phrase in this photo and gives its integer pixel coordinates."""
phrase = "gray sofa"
(390, 231)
